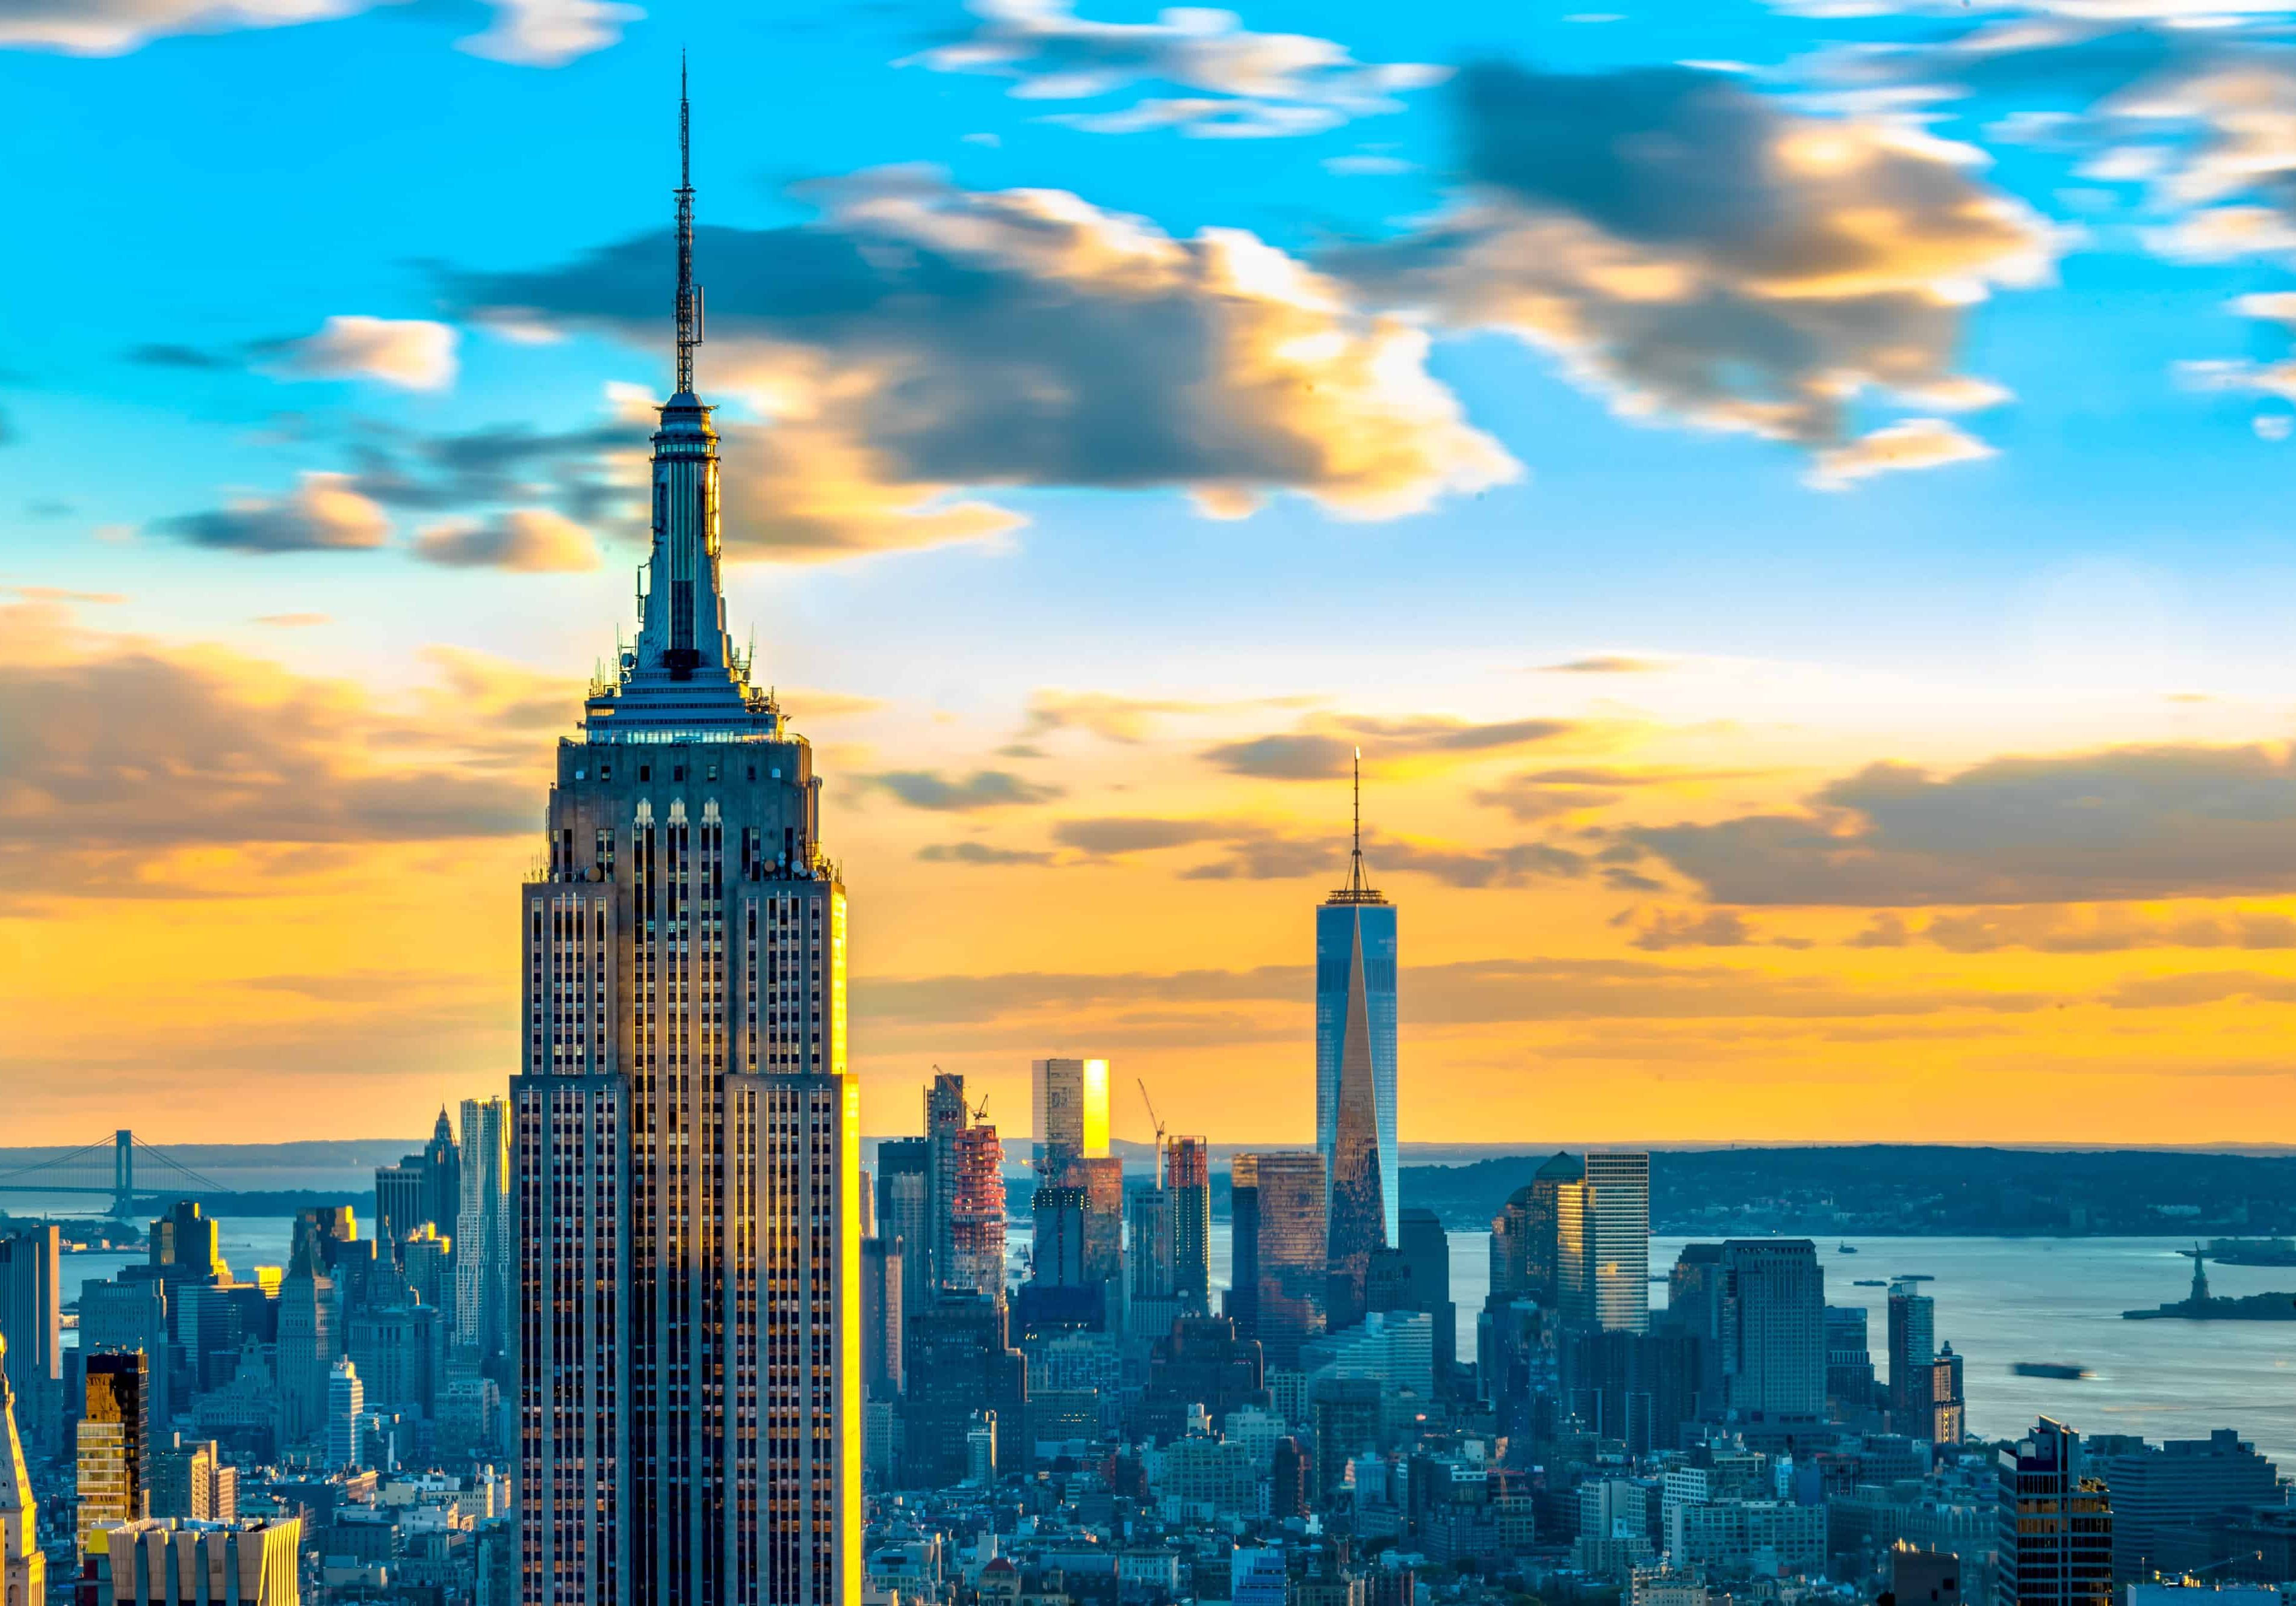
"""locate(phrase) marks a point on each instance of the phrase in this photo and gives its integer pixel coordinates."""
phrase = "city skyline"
(1860, 716)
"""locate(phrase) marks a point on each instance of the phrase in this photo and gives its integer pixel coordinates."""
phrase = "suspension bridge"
(82, 1170)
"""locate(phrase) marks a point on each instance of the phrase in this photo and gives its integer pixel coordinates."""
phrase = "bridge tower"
(123, 1175)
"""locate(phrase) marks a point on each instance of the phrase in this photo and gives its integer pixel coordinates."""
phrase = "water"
(1999, 1300)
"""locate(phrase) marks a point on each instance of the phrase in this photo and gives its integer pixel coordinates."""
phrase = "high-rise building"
(683, 961)
(1425, 1255)
(2183, 1483)
(486, 1257)
(881, 1288)
(115, 1442)
(903, 1213)
(960, 1364)
(1774, 1328)
(1100, 1179)
(129, 1316)
(1636, 1387)
(190, 1478)
(1602, 1244)
(31, 1320)
(185, 1247)
(1056, 1236)
(401, 1201)
(399, 1351)
(1355, 1079)
(1283, 1220)
(1069, 1101)
(23, 1568)
(1913, 1347)
(1849, 1362)
(1697, 1301)
(346, 1414)
(972, 1232)
(946, 1114)
(2054, 1545)
(1943, 1400)
(442, 1178)
(1523, 1242)
(1188, 1186)
(309, 1341)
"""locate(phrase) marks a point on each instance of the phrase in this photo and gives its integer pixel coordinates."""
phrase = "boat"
(2063, 1371)
(1871, 1282)
(1845, 1249)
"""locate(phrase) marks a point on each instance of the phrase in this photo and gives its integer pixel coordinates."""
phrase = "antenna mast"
(1359, 889)
(689, 297)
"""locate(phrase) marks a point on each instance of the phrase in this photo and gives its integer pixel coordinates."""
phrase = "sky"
(1790, 497)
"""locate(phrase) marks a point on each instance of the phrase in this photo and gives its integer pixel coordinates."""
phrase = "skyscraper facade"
(2054, 1545)
(1188, 1189)
(1602, 1244)
(1774, 1327)
(1913, 1347)
(31, 1320)
(115, 1442)
(485, 1274)
(972, 1232)
(903, 1213)
(1354, 1081)
(946, 1114)
(1070, 1101)
(346, 1414)
(687, 1140)
(1523, 1241)
(1285, 1259)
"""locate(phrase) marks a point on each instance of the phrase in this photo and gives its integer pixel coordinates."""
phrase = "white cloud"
(414, 354)
(530, 33)
(110, 27)
(1252, 83)
(1910, 443)
(549, 33)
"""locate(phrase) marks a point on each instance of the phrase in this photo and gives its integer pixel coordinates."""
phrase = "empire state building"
(687, 1135)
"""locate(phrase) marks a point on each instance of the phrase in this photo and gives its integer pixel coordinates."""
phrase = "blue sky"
(1835, 382)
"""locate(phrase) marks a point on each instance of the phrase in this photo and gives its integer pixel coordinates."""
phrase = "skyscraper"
(1524, 1243)
(903, 1213)
(1602, 1244)
(346, 1414)
(1774, 1327)
(23, 1569)
(115, 1442)
(1913, 1347)
(687, 1145)
(1284, 1258)
(1188, 1186)
(442, 1177)
(1070, 1101)
(1354, 1078)
(486, 1272)
(309, 1341)
(2054, 1540)
(972, 1230)
(31, 1320)
(946, 1114)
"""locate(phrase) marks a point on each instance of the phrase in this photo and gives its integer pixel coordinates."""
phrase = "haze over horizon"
(1818, 642)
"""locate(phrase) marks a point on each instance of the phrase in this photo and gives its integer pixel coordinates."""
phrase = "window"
(645, 772)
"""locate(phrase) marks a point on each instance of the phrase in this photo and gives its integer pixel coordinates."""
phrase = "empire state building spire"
(689, 294)
(683, 674)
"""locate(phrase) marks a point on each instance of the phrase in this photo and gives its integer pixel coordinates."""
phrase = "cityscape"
(702, 1289)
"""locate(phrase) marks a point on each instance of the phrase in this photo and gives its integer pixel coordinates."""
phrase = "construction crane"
(1154, 1120)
